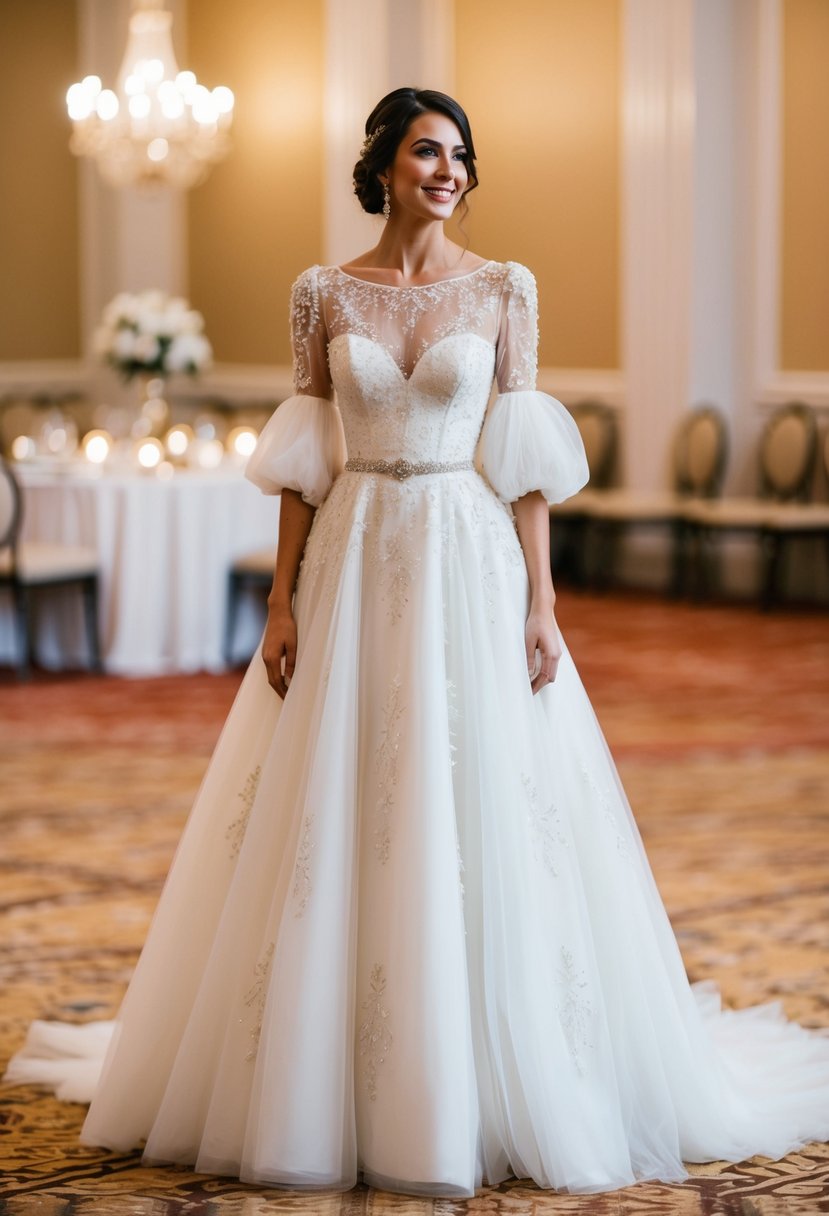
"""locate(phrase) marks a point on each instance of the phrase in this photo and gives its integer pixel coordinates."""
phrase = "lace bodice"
(412, 367)
(405, 373)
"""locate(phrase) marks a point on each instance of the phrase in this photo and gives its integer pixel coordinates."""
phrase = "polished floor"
(717, 717)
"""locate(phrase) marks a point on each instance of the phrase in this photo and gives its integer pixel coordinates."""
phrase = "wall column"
(657, 226)
(373, 46)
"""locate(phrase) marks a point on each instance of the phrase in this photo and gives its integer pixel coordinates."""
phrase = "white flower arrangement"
(152, 333)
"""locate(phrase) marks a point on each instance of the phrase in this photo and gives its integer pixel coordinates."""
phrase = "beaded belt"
(401, 469)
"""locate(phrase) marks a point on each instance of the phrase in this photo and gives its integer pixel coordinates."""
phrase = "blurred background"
(661, 165)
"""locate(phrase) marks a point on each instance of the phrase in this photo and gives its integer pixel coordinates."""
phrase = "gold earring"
(386, 202)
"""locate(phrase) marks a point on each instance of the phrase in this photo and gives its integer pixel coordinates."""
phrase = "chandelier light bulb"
(107, 105)
(140, 105)
(158, 126)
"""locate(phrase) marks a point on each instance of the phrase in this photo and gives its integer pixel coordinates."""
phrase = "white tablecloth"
(165, 546)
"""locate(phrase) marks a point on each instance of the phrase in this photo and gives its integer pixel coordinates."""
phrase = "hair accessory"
(369, 140)
(386, 202)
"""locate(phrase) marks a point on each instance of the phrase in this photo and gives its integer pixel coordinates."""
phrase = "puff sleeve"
(302, 446)
(529, 441)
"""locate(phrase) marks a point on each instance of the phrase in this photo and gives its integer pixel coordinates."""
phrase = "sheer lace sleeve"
(529, 441)
(302, 446)
(517, 343)
(309, 340)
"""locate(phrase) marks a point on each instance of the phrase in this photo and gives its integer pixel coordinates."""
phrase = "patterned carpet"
(717, 716)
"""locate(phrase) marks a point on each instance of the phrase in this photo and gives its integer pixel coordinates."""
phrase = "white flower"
(121, 311)
(188, 352)
(123, 345)
(146, 348)
(148, 326)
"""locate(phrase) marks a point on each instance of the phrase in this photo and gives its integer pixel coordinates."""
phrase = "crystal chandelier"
(159, 126)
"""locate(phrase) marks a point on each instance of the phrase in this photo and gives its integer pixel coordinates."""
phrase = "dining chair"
(597, 424)
(778, 513)
(30, 569)
(700, 452)
(250, 571)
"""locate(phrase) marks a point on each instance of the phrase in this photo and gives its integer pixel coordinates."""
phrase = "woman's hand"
(541, 634)
(532, 518)
(279, 643)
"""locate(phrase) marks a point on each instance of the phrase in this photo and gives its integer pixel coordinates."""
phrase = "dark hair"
(395, 114)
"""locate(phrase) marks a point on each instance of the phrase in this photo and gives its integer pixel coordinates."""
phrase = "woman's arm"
(532, 518)
(295, 519)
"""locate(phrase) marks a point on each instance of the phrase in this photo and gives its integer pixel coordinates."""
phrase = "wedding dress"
(410, 934)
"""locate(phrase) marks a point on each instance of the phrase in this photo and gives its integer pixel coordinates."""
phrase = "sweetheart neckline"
(466, 333)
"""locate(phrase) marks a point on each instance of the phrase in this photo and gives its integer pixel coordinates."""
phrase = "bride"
(410, 935)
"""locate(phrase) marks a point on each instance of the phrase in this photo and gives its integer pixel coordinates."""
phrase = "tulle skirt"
(410, 934)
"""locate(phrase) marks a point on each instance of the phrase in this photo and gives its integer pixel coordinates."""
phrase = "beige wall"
(804, 305)
(257, 220)
(540, 82)
(39, 298)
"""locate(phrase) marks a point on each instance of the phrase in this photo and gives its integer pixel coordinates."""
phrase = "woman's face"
(428, 174)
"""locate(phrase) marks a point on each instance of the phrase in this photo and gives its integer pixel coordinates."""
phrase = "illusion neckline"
(415, 286)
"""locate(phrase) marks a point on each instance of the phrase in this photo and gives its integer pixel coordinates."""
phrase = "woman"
(411, 935)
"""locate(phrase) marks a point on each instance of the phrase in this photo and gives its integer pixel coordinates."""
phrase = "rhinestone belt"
(401, 469)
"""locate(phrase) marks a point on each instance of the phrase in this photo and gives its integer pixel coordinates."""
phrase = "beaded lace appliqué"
(302, 869)
(375, 1036)
(386, 763)
(603, 796)
(546, 826)
(254, 998)
(575, 1007)
(235, 833)
(324, 298)
(466, 304)
(304, 318)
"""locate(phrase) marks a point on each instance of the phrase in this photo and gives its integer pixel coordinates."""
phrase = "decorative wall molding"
(809, 387)
(773, 385)
(48, 377)
(767, 101)
(244, 384)
(237, 384)
(572, 384)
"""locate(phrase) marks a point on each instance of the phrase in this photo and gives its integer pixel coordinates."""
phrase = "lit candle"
(241, 441)
(149, 453)
(97, 446)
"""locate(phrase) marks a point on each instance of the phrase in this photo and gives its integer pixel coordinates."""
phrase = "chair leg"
(771, 548)
(708, 580)
(607, 544)
(89, 589)
(23, 630)
(679, 559)
(579, 535)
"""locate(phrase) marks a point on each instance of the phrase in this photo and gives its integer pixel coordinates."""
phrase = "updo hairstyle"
(395, 114)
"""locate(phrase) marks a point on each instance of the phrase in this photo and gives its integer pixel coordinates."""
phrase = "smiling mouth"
(438, 193)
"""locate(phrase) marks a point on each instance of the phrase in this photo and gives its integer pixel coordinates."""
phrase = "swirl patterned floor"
(717, 716)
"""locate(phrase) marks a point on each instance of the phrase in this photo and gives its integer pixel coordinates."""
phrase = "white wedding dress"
(410, 934)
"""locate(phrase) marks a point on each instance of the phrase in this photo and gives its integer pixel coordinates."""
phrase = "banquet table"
(166, 546)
